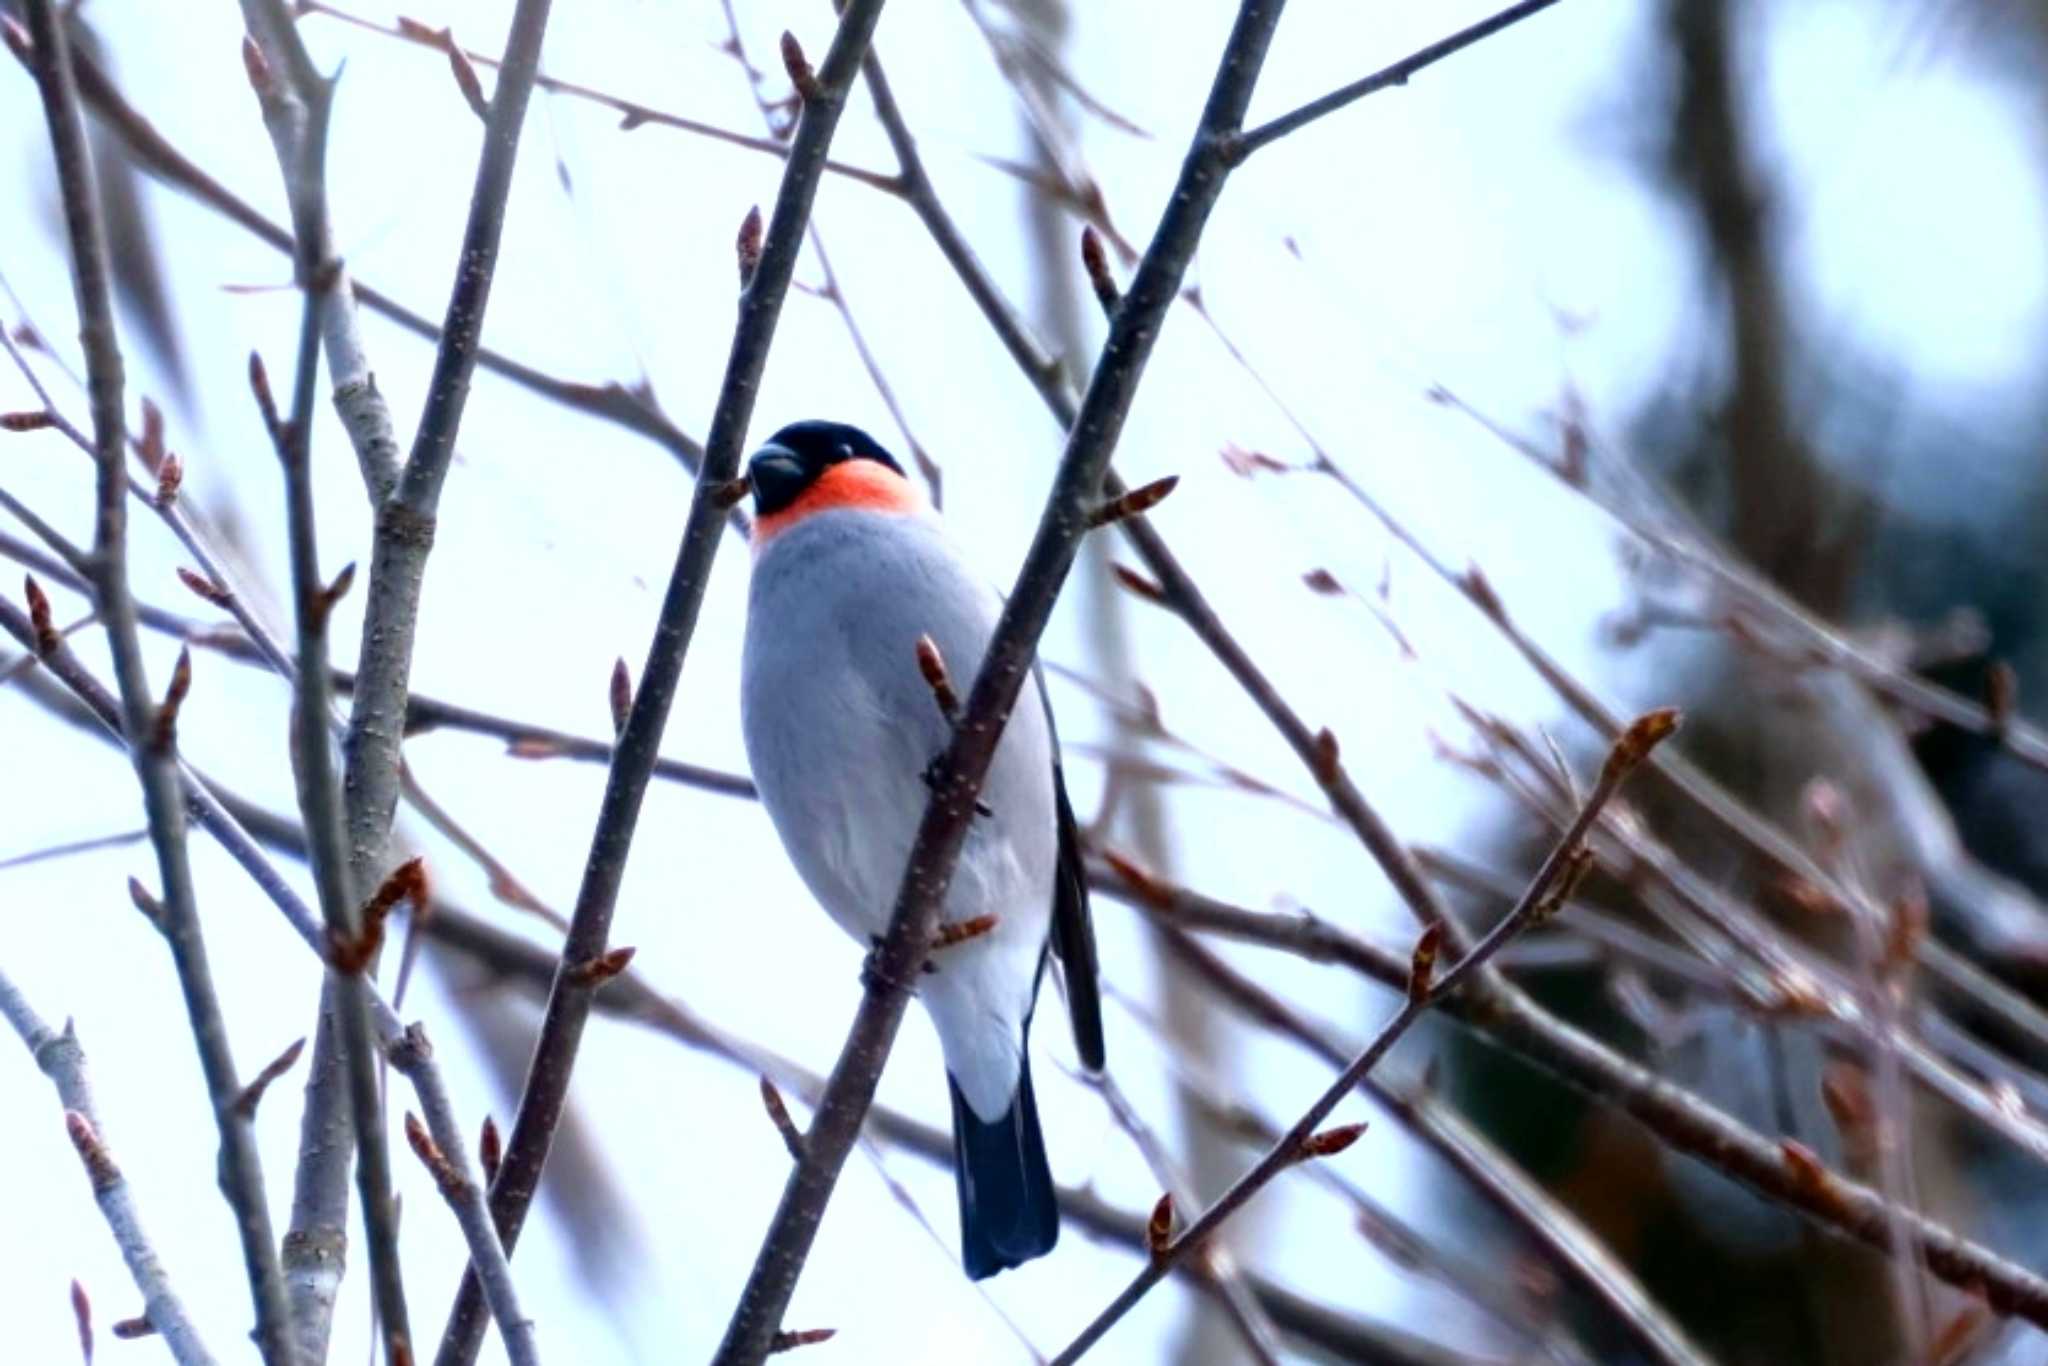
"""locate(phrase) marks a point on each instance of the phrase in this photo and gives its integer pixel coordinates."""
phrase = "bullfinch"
(851, 567)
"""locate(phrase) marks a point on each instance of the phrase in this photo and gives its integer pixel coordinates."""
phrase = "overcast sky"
(1488, 229)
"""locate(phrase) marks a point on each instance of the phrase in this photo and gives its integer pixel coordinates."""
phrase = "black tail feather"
(1009, 1212)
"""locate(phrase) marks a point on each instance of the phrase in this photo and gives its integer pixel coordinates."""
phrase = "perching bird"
(851, 567)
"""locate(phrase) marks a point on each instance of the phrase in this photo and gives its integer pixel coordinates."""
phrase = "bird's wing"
(1073, 933)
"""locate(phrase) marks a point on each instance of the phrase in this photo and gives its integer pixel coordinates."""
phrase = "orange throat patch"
(849, 484)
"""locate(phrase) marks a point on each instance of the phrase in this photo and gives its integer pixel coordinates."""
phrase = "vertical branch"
(957, 783)
(295, 100)
(405, 521)
(569, 999)
(320, 799)
(293, 105)
(150, 730)
(1205, 1337)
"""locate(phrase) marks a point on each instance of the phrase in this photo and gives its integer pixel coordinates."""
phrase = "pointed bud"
(1133, 502)
(1422, 962)
(466, 79)
(621, 696)
(1159, 1228)
(747, 246)
(799, 68)
(1096, 262)
(1330, 1141)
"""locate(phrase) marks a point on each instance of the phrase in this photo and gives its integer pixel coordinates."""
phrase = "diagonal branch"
(1397, 74)
(1007, 663)
(1778, 1169)
(631, 114)
(63, 1062)
(443, 1153)
(229, 821)
(630, 409)
(147, 728)
(569, 1002)
(1567, 858)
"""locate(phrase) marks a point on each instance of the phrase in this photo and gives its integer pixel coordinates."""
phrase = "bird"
(851, 567)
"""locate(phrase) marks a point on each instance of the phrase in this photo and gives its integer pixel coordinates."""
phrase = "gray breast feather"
(839, 726)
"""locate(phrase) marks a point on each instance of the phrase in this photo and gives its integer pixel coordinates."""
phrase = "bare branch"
(156, 765)
(1397, 74)
(631, 114)
(212, 813)
(1005, 666)
(412, 1055)
(62, 1060)
(1622, 760)
(569, 1003)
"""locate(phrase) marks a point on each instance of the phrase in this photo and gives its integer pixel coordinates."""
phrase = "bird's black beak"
(778, 476)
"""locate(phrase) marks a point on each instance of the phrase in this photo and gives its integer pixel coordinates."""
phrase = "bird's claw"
(872, 976)
(931, 781)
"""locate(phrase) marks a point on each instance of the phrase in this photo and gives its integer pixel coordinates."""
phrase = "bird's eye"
(845, 451)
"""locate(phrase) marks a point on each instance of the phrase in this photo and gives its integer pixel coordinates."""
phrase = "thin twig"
(295, 110)
(1240, 1305)
(547, 1082)
(630, 408)
(829, 287)
(156, 764)
(296, 102)
(297, 123)
(319, 791)
(1397, 74)
(412, 1055)
(1005, 666)
(62, 1060)
(1549, 884)
(210, 809)
(631, 114)
(528, 740)
(1690, 1125)
(1550, 1227)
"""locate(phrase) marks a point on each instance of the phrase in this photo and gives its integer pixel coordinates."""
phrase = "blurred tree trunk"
(1137, 810)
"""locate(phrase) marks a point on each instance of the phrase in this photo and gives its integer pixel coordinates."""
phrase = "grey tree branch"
(1778, 1169)
(630, 409)
(320, 798)
(444, 1154)
(1005, 666)
(405, 520)
(211, 809)
(1567, 858)
(569, 1002)
(62, 1060)
(296, 102)
(405, 501)
(1397, 74)
(343, 1112)
(296, 111)
(148, 729)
